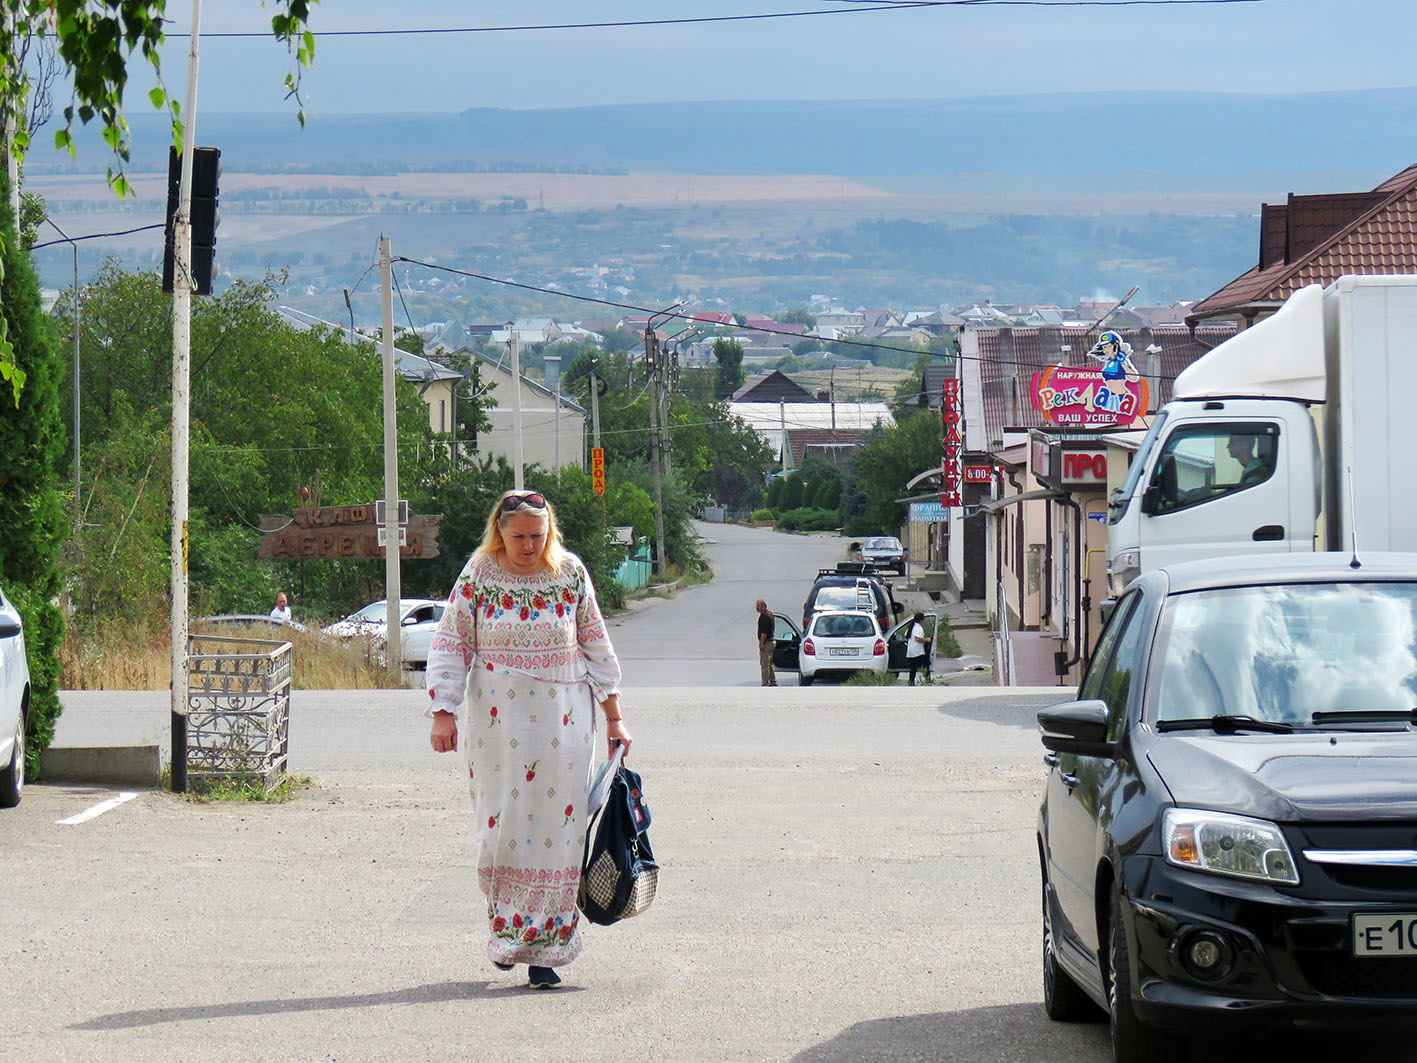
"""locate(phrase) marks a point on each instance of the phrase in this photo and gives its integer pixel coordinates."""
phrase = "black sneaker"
(503, 966)
(542, 978)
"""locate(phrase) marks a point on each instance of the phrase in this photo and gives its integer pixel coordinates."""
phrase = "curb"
(139, 766)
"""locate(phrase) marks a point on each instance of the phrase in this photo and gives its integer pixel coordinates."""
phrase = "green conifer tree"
(32, 446)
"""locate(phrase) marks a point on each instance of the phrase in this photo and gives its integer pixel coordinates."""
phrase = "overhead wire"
(983, 359)
(855, 8)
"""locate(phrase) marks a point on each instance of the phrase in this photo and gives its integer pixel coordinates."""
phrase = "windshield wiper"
(1226, 725)
(1366, 716)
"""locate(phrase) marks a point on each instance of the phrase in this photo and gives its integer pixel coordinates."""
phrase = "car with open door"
(1228, 831)
(898, 641)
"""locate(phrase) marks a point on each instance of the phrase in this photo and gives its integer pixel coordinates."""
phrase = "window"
(1110, 676)
(1200, 463)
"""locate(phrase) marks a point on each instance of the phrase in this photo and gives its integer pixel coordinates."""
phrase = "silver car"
(884, 551)
(14, 703)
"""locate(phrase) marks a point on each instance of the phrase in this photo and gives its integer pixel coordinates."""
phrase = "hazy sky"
(1267, 46)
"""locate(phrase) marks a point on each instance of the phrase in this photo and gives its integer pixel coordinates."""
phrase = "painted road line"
(97, 810)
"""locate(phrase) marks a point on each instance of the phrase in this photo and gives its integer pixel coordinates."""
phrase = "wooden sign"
(343, 531)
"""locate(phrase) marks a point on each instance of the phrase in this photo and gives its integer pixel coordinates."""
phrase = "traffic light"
(206, 170)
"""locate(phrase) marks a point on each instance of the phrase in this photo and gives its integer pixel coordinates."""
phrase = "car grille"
(1386, 879)
(1337, 975)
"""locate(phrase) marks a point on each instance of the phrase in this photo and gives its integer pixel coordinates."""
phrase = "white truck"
(1293, 435)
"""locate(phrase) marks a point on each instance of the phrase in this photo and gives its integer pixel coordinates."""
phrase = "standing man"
(281, 613)
(766, 643)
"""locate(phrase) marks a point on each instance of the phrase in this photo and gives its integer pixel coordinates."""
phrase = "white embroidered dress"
(524, 660)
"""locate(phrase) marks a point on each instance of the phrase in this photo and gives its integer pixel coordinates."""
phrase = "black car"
(851, 585)
(1229, 829)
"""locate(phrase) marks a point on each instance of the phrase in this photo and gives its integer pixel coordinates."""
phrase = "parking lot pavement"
(827, 878)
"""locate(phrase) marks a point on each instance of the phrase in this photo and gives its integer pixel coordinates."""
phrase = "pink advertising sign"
(1084, 398)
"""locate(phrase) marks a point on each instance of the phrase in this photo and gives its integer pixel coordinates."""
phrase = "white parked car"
(14, 703)
(418, 620)
(841, 643)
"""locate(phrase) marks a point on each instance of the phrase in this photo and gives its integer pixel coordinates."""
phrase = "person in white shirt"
(281, 613)
(917, 649)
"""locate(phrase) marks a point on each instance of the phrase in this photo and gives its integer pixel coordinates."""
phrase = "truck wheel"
(1133, 1041)
(805, 680)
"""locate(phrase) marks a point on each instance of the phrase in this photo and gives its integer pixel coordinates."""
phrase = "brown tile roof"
(801, 438)
(1317, 239)
(1010, 357)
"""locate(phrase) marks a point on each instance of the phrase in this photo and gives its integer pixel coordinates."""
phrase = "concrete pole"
(782, 423)
(518, 474)
(393, 642)
(181, 412)
(656, 460)
(595, 410)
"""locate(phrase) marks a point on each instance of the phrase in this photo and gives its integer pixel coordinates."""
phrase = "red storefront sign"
(597, 470)
(978, 474)
(951, 442)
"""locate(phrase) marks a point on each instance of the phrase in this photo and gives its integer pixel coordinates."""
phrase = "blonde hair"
(552, 552)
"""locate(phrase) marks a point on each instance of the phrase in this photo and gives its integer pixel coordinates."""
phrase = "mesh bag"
(619, 874)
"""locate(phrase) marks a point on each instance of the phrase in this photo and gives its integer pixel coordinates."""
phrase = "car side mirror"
(1076, 727)
(897, 608)
(9, 629)
(1151, 501)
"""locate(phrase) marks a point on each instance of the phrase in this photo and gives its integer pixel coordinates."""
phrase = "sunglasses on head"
(512, 503)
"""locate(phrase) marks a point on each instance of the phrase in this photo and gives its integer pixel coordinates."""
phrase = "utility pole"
(393, 593)
(517, 476)
(595, 408)
(656, 470)
(669, 369)
(181, 412)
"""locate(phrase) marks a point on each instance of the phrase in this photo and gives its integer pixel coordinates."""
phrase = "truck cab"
(1216, 477)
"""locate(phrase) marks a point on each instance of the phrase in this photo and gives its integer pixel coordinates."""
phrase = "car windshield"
(1284, 653)
(843, 598)
(881, 544)
(376, 612)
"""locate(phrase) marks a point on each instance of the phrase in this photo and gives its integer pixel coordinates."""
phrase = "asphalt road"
(849, 874)
(709, 637)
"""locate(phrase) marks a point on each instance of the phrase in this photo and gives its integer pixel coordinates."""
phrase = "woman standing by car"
(523, 650)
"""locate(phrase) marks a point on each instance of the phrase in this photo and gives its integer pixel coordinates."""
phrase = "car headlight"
(1122, 569)
(1226, 844)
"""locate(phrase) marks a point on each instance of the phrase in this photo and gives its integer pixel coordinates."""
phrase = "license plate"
(1389, 934)
(841, 651)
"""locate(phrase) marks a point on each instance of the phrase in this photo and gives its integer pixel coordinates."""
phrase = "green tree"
(32, 439)
(729, 355)
(792, 492)
(798, 316)
(885, 463)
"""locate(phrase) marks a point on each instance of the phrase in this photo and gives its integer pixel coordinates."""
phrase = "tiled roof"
(1317, 239)
(772, 386)
(1010, 357)
(800, 438)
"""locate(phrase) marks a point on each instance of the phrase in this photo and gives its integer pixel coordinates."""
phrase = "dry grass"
(135, 657)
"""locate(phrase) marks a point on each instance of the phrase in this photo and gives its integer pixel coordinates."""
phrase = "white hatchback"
(14, 703)
(418, 619)
(841, 643)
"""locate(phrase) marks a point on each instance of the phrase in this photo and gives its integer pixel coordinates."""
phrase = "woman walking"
(523, 652)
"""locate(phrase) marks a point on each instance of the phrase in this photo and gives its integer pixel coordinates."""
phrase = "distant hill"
(1371, 131)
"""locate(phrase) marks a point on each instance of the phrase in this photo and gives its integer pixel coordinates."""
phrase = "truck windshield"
(1117, 504)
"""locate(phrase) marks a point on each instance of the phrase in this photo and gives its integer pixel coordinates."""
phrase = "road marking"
(97, 810)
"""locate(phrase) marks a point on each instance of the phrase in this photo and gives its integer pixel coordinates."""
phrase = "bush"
(946, 645)
(806, 519)
(760, 515)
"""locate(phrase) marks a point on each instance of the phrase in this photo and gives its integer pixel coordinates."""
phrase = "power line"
(857, 7)
(982, 359)
(96, 236)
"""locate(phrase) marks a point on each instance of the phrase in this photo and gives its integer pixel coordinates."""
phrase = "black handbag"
(619, 874)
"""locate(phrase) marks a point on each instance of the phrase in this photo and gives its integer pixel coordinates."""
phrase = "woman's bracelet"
(613, 719)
